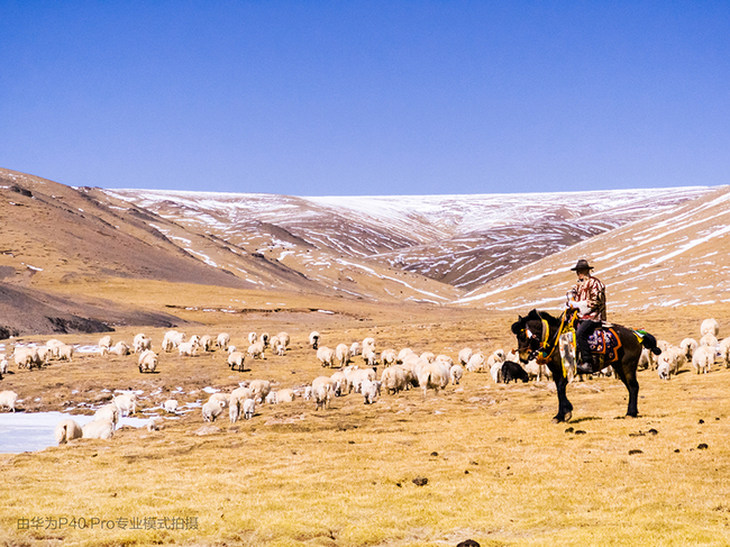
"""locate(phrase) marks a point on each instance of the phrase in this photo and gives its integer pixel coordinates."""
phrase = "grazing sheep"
(370, 390)
(647, 360)
(212, 409)
(670, 362)
(271, 398)
(249, 408)
(709, 326)
(393, 379)
(223, 340)
(65, 352)
(172, 339)
(404, 354)
(259, 389)
(322, 388)
(236, 359)
(342, 383)
(120, 348)
(355, 349)
(170, 406)
(105, 342)
(147, 361)
(3, 366)
(703, 359)
(326, 356)
(26, 357)
(513, 371)
(476, 362)
(709, 340)
(688, 346)
(108, 412)
(264, 339)
(342, 355)
(388, 357)
(224, 398)
(67, 430)
(456, 372)
(141, 342)
(206, 342)
(368, 342)
(432, 375)
(284, 338)
(370, 357)
(464, 356)
(724, 347)
(126, 403)
(496, 372)
(497, 356)
(358, 376)
(536, 371)
(314, 339)
(252, 337)
(188, 349)
(98, 429)
(256, 351)
(285, 396)
(54, 346)
(428, 356)
(279, 348)
(8, 399)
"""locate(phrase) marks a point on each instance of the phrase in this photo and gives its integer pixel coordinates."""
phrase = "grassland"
(480, 460)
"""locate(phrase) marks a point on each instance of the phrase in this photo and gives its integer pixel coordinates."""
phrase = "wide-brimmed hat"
(582, 265)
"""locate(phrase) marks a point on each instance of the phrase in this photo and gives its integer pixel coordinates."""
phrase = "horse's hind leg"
(632, 384)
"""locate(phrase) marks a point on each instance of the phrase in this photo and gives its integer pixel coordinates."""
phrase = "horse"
(538, 336)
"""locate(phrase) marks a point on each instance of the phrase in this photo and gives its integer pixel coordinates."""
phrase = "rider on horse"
(588, 296)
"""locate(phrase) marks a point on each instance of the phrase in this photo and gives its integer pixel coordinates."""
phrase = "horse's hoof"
(568, 416)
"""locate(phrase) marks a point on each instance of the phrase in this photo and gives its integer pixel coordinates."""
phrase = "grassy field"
(480, 460)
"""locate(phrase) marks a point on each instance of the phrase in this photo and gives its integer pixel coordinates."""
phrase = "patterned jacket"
(593, 292)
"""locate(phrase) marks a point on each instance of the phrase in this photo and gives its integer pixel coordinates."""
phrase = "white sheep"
(286, 395)
(496, 372)
(26, 357)
(342, 355)
(256, 350)
(326, 356)
(368, 342)
(172, 339)
(433, 375)
(688, 346)
(369, 356)
(370, 390)
(259, 389)
(236, 359)
(358, 376)
(212, 409)
(249, 408)
(109, 412)
(252, 337)
(355, 349)
(170, 406)
(126, 403)
(404, 354)
(703, 359)
(393, 379)
(105, 343)
(314, 339)
(464, 356)
(497, 356)
(428, 356)
(222, 398)
(709, 326)
(67, 430)
(724, 350)
(388, 357)
(147, 361)
(188, 349)
(709, 340)
(65, 352)
(456, 372)
(476, 362)
(3, 365)
(206, 342)
(322, 388)
(222, 340)
(98, 429)
(8, 399)
(54, 346)
(120, 348)
(342, 383)
(141, 342)
(284, 338)
(264, 339)
(272, 398)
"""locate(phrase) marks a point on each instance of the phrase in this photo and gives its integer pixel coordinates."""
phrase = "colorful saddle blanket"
(606, 343)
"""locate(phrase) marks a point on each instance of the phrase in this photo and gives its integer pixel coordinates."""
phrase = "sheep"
(322, 388)
(709, 326)
(105, 342)
(388, 357)
(358, 376)
(3, 366)
(497, 356)
(279, 348)
(703, 359)
(206, 342)
(464, 356)
(285, 396)
(432, 375)
(368, 342)
(264, 339)
(98, 429)
(108, 412)
(476, 362)
(259, 389)
(65, 352)
(170, 406)
(126, 403)
(211, 410)
(8, 399)
(172, 339)
(67, 430)
(256, 351)
(222, 397)
(249, 408)
(535, 371)
(140, 343)
(271, 398)
(456, 372)
(496, 372)
(393, 379)
(252, 337)
(404, 354)
(342, 383)
(369, 356)
(147, 361)
(26, 357)
(342, 355)
(647, 360)
(428, 356)
(222, 340)
(370, 390)
(120, 348)
(355, 349)
(314, 339)
(326, 356)
(284, 338)
(54, 345)
(724, 347)
(236, 359)
(709, 339)
(235, 401)
(670, 362)
(688, 346)
(513, 371)
(188, 349)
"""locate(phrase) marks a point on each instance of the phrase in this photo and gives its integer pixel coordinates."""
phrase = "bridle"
(546, 348)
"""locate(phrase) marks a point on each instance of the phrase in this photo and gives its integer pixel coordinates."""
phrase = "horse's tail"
(649, 342)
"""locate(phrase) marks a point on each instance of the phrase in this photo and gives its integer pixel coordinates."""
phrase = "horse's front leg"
(565, 409)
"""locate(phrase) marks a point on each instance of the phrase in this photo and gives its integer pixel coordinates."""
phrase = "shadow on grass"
(585, 419)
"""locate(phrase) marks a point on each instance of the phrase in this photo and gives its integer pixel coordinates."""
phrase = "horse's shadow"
(585, 419)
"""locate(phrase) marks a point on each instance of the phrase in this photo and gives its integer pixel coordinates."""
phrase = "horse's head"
(528, 331)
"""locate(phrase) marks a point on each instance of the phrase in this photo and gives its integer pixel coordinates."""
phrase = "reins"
(543, 356)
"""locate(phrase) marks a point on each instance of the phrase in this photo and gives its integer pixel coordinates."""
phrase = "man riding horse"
(588, 296)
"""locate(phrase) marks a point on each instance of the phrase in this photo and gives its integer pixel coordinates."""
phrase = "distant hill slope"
(672, 258)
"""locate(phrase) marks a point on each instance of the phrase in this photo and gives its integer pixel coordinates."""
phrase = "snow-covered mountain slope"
(460, 240)
(671, 258)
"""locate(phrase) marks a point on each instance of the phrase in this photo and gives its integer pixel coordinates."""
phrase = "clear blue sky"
(349, 97)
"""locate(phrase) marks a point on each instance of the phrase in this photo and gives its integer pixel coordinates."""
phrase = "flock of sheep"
(399, 370)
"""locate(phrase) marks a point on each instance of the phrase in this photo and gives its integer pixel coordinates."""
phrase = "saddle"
(604, 344)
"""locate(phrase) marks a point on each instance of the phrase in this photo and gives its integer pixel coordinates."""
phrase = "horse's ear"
(516, 327)
(533, 314)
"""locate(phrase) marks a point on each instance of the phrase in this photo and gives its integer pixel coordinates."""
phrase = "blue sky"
(348, 97)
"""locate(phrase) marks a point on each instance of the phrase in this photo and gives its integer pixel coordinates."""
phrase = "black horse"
(538, 337)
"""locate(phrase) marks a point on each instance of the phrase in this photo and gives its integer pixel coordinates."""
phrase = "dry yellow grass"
(498, 471)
